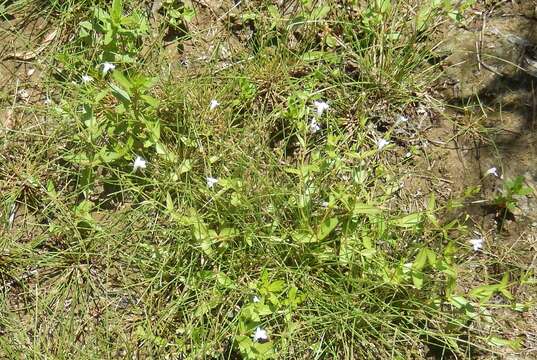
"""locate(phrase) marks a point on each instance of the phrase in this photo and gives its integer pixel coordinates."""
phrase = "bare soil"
(490, 83)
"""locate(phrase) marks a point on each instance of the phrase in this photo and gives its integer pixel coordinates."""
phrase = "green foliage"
(431, 9)
(177, 13)
(273, 298)
(131, 124)
(512, 189)
(115, 37)
(305, 236)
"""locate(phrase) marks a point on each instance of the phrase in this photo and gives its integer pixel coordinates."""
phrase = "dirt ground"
(489, 84)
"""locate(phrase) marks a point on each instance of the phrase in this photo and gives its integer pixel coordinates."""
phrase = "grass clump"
(268, 223)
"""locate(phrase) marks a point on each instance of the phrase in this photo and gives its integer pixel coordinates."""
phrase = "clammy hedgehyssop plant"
(232, 202)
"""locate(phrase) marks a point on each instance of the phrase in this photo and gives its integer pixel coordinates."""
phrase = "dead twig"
(479, 47)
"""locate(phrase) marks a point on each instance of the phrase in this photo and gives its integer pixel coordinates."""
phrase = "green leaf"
(422, 18)
(459, 301)
(85, 29)
(249, 16)
(315, 55)
(408, 221)
(122, 80)
(417, 279)
(515, 344)
(120, 94)
(293, 171)
(431, 257)
(303, 237)
(367, 242)
(484, 292)
(421, 260)
(206, 247)
(51, 190)
(83, 209)
(276, 286)
(154, 128)
(101, 95)
(161, 149)
(262, 309)
(504, 284)
(169, 203)
(331, 41)
(274, 12)
(101, 15)
(186, 166)
(365, 209)
(320, 13)
(263, 350)
(228, 233)
(109, 156)
(115, 13)
(383, 6)
(431, 203)
(188, 14)
(89, 120)
(326, 228)
(368, 253)
(224, 280)
(151, 101)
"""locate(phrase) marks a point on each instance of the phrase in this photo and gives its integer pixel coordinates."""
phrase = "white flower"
(321, 107)
(314, 126)
(255, 299)
(477, 243)
(408, 154)
(47, 101)
(211, 181)
(492, 171)
(86, 79)
(108, 67)
(214, 104)
(260, 335)
(139, 163)
(381, 143)
(324, 204)
(23, 94)
(401, 119)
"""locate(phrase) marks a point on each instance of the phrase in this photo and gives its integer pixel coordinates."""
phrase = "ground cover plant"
(213, 180)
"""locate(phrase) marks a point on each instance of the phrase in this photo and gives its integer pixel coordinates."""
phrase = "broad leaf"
(326, 228)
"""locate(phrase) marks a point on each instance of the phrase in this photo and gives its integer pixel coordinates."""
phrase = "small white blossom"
(492, 171)
(260, 334)
(255, 299)
(324, 204)
(211, 181)
(47, 101)
(408, 154)
(86, 79)
(477, 243)
(314, 126)
(108, 67)
(401, 119)
(214, 104)
(139, 163)
(23, 94)
(321, 107)
(381, 143)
